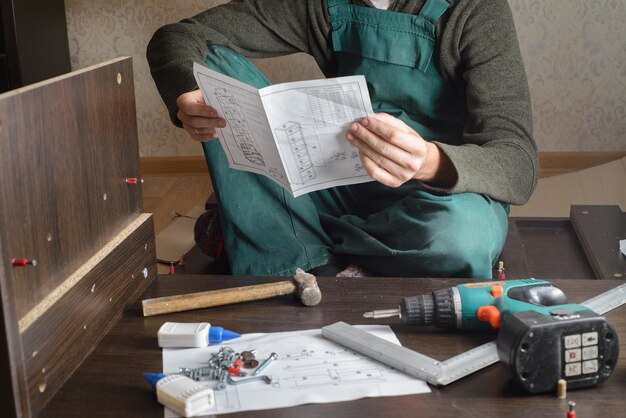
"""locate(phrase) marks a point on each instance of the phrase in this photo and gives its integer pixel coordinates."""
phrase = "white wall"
(574, 52)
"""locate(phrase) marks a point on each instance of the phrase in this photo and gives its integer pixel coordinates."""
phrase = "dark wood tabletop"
(110, 382)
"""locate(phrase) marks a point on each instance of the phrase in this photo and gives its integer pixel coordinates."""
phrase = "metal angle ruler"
(401, 358)
(469, 362)
(607, 301)
(431, 370)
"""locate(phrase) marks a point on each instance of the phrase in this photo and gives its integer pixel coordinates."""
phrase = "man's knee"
(470, 238)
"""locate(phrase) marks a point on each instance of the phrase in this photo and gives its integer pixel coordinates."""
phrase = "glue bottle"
(181, 394)
(176, 334)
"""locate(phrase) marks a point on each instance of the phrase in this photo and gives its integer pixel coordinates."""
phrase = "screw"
(266, 363)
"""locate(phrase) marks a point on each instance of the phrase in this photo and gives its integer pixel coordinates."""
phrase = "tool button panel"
(572, 341)
(581, 354)
(590, 338)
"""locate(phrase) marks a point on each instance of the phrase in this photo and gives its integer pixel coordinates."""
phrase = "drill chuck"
(436, 309)
(418, 310)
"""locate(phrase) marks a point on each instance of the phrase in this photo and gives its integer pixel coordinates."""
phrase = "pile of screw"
(226, 363)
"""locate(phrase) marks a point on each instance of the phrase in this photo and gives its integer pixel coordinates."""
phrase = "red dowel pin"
(133, 180)
(571, 413)
(21, 262)
(234, 371)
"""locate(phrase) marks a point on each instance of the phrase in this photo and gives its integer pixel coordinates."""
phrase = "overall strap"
(434, 9)
(332, 3)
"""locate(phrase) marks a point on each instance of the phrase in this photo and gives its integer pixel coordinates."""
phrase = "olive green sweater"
(478, 50)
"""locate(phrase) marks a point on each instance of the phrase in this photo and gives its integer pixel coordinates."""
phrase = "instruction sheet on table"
(309, 369)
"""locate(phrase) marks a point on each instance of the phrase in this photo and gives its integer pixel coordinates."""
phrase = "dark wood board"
(13, 385)
(600, 229)
(68, 145)
(544, 248)
(110, 382)
(56, 344)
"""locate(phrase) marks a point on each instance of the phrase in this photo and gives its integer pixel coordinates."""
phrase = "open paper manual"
(293, 133)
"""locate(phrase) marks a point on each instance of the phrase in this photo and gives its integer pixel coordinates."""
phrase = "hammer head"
(307, 289)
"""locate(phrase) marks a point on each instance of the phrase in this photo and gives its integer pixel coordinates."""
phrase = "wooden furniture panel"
(13, 386)
(599, 229)
(110, 383)
(544, 248)
(68, 144)
(57, 342)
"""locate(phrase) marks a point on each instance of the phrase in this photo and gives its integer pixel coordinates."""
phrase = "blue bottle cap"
(153, 378)
(219, 334)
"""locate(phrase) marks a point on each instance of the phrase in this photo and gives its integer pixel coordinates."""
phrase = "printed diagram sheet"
(309, 369)
(293, 133)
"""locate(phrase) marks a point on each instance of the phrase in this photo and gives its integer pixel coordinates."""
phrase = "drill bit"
(383, 313)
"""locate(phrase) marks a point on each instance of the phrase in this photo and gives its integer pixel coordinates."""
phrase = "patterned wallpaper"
(574, 52)
(575, 57)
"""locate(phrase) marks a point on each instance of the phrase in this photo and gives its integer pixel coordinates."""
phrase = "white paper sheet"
(309, 369)
(293, 133)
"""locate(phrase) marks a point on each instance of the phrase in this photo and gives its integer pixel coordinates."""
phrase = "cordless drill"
(541, 337)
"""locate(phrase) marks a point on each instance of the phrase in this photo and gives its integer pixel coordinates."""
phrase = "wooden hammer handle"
(220, 297)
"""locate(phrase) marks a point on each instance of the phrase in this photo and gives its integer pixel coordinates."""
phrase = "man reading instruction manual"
(448, 148)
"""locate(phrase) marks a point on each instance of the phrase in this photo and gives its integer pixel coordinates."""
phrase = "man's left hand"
(393, 153)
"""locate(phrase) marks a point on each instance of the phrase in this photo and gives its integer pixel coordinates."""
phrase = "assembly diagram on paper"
(293, 133)
(308, 369)
(238, 125)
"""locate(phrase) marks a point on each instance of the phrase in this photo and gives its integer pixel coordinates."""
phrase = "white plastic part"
(184, 395)
(176, 334)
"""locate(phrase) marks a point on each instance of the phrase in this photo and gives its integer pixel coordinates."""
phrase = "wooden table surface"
(110, 382)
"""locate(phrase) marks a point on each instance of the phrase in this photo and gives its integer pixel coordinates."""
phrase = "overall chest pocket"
(409, 44)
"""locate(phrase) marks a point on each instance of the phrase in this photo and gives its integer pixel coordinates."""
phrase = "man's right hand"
(198, 118)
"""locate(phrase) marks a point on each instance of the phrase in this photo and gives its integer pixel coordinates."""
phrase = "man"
(449, 149)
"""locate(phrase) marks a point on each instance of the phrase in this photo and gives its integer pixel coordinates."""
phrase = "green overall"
(402, 231)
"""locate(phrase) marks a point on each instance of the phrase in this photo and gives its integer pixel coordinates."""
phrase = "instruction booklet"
(293, 133)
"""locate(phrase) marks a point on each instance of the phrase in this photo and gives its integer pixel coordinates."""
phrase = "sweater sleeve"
(499, 155)
(256, 29)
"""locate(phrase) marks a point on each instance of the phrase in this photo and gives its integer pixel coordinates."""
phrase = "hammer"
(303, 284)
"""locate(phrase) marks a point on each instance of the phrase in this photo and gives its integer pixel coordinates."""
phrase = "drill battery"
(580, 347)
